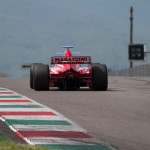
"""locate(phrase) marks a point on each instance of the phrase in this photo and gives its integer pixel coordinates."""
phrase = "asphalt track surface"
(119, 116)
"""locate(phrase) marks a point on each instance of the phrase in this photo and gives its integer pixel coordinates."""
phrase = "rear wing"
(71, 60)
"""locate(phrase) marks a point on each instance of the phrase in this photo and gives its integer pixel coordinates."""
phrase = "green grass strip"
(7, 144)
(20, 106)
(37, 122)
(11, 96)
(3, 137)
(14, 146)
(78, 147)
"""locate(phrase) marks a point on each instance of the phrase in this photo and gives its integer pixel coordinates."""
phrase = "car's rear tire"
(99, 77)
(41, 77)
(32, 73)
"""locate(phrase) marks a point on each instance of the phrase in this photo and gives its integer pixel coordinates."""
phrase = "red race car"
(69, 72)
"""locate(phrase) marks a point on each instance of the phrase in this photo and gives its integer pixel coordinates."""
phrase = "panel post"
(131, 31)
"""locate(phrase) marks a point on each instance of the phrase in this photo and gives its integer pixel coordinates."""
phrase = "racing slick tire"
(99, 77)
(32, 72)
(41, 77)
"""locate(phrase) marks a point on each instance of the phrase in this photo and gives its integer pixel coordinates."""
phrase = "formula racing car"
(69, 72)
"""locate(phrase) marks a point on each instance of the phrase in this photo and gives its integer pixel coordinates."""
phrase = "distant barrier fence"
(138, 71)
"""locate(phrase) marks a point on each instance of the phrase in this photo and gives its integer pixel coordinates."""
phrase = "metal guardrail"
(138, 71)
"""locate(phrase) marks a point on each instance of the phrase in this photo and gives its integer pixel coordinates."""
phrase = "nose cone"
(68, 53)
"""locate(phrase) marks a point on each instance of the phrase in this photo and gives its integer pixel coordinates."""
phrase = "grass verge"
(7, 144)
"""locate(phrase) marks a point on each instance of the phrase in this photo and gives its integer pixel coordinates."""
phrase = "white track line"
(48, 128)
(64, 141)
(19, 103)
(26, 109)
(35, 117)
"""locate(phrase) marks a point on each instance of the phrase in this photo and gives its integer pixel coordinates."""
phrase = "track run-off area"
(119, 116)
